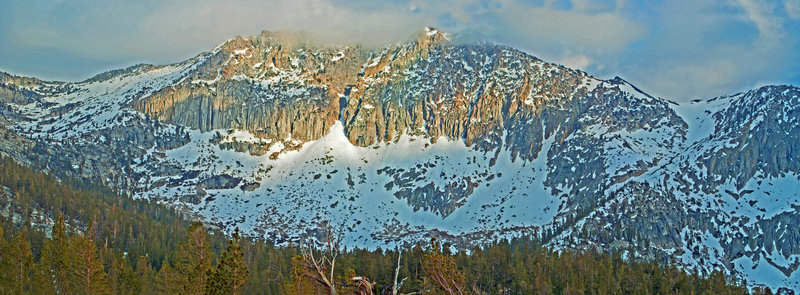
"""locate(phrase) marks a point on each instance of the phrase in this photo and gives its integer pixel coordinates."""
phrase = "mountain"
(470, 143)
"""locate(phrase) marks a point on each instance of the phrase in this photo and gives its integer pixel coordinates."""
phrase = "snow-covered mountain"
(278, 136)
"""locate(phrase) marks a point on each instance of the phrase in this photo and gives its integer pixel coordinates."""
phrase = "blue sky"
(677, 49)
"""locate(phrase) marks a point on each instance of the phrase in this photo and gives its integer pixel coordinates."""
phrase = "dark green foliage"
(138, 227)
(123, 278)
(86, 274)
(441, 268)
(144, 278)
(231, 272)
(193, 260)
(16, 266)
(173, 257)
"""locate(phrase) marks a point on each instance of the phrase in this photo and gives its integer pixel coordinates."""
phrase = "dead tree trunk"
(363, 286)
(396, 287)
(322, 269)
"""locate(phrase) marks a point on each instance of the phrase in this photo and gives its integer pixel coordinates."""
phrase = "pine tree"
(86, 274)
(4, 287)
(145, 277)
(168, 280)
(17, 265)
(122, 276)
(193, 260)
(231, 272)
(54, 261)
(42, 280)
(441, 269)
(300, 283)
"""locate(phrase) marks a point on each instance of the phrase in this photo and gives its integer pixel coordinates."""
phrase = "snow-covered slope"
(467, 142)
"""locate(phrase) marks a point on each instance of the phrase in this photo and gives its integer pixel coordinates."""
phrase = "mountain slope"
(277, 135)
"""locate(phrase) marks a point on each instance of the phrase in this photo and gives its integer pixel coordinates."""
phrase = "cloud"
(578, 61)
(760, 14)
(551, 27)
(678, 49)
(327, 20)
(709, 48)
(596, 6)
(793, 8)
(688, 81)
(180, 25)
(169, 31)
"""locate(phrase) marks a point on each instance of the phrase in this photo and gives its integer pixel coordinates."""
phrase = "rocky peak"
(24, 90)
(430, 36)
(755, 134)
(288, 39)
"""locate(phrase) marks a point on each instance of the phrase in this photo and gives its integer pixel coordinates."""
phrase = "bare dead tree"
(396, 286)
(323, 264)
(362, 285)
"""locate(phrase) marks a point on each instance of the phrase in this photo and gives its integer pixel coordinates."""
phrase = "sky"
(676, 49)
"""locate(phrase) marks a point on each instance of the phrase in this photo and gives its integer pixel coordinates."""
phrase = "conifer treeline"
(74, 265)
(115, 245)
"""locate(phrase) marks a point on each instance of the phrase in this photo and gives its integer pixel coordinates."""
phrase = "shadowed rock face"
(757, 133)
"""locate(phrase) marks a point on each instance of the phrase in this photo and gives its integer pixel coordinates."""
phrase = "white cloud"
(701, 48)
(761, 14)
(793, 8)
(173, 30)
(576, 61)
(689, 81)
(322, 18)
(169, 31)
(605, 31)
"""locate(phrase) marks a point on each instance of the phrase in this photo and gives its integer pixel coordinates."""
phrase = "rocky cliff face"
(281, 89)
(726, 200)
(756, 134)
(275, 134)
(278, 86)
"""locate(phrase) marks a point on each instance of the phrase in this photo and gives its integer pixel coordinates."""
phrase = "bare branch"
(363, 285)
(323, 268)
(395, 287)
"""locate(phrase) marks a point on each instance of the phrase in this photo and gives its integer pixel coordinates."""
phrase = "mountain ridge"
(467, 142)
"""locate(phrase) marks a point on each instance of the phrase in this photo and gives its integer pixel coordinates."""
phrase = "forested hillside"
(69, 237)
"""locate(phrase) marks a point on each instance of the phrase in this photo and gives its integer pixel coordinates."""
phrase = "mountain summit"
(469, 143)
